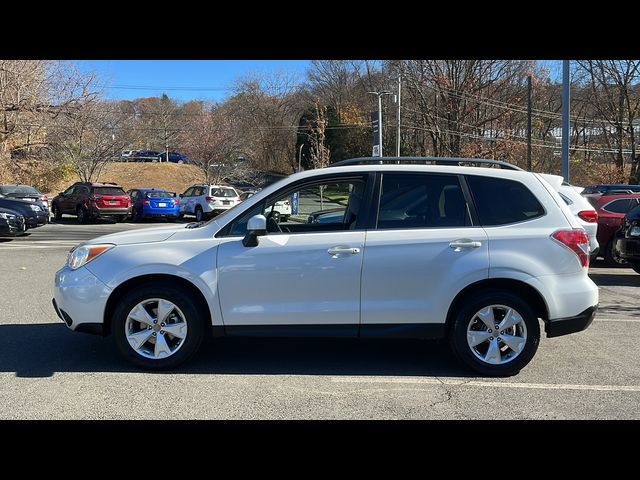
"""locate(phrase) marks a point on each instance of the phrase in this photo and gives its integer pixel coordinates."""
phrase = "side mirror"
(256, 227)
(181, 195)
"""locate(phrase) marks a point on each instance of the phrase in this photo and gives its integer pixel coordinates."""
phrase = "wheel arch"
(524, 290)
(137, 281)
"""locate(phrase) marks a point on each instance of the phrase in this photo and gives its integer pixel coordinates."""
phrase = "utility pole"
(300, 158)
(529, 167)
(379, 94)
(565, 119)
(398, 116)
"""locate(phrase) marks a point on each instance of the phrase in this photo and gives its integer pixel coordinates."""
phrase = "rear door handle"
(458, 245)
(343, 250)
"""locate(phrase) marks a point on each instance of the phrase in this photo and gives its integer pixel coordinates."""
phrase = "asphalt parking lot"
(48, 372)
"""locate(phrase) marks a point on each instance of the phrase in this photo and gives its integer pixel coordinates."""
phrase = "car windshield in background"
(9, 189)
(224, 192)
(108, 191)
(157, 194)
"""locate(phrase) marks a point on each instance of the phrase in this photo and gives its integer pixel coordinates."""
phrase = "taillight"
(208, 198)
(176, 201)
(287, 203)
(590, 216)
(44, 198)
(145, 201)
(577, 241)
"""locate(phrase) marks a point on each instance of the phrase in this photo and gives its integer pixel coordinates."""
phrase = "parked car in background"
(611, 210)
(147, 155)
(87, 200)
(246, 194)
(26, 192)
(628, 239)
(486, 256)
(153, 202)
(204, 200)
(129, 153)
(33, 213)
(173, 157)
(580, 207)
(608, 188)
(12, 223)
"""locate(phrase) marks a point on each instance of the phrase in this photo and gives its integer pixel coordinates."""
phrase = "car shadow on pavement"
(615, 280)
(40, 350)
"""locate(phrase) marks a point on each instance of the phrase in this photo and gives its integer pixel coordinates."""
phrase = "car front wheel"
(157, 327)
(495, 333)
(57, 214)
(611, 256)
(199, 214)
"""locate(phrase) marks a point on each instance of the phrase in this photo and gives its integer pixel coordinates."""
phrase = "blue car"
(153, 202)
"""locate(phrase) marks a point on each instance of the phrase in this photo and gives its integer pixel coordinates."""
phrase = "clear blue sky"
(183, 79)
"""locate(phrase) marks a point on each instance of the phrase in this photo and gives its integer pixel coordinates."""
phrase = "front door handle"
(461, 243)
(343, 250)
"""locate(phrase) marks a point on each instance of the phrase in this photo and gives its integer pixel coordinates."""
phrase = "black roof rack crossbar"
(431, 160)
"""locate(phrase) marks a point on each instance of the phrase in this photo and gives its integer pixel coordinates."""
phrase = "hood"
(143, 235)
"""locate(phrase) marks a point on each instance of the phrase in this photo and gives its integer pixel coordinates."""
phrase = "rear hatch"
(161, 200)
(109, 197)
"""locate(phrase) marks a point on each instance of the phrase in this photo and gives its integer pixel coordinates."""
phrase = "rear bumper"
(161, 212)
(105, 212)
(565, 326)
(628, 248)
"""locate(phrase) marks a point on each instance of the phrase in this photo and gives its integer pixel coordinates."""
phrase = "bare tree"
(212, 143)
(614, 88)
(87, 137)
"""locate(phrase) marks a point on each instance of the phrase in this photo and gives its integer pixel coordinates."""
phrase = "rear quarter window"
(500, 201)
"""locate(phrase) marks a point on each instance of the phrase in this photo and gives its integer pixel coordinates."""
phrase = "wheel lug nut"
(149, 327)
(155, 321)
(490, 331)
(162, 332)
(499, 339)
(490, 338)
(162, 324)
(154, 334)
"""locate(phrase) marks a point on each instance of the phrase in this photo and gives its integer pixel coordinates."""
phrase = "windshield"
(223, 192)
(9, 189)
(108, 191)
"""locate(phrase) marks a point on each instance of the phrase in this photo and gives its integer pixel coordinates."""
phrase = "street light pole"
(379, 94)
(300, 158)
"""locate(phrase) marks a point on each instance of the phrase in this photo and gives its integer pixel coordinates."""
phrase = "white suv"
(475, 255)
(203, 200)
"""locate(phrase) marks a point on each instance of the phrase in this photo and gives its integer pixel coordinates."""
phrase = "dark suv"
(173, 157)
(88, 200)
(628, 239)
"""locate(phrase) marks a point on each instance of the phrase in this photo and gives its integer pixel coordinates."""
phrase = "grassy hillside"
(170, 176)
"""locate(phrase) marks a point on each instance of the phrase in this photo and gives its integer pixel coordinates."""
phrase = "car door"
(66, 203)
(424, 249)
(299, 274)
(184, 200)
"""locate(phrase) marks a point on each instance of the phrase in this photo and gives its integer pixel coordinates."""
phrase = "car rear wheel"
(495, 333)
(635, 265)
(199, 214)
(158, 327)
(81, 215)
(611, 256)
(57, 214)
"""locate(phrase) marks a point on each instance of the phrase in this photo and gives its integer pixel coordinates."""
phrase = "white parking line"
(496, 384)
(632, 320)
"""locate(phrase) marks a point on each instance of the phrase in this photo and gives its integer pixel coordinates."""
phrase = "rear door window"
(421, 201)
(622, 205)
(500, 201)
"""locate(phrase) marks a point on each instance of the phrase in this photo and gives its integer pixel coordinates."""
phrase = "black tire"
(465, 314)
(635, 264)
(183, 300)
(81, 215)
(57, 214)
(611, 257)
(199, 214)
(134, 215)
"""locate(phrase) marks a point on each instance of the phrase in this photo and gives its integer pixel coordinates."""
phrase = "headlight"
(35, 208)
(634, 232)
(7, 216)
(83, 254)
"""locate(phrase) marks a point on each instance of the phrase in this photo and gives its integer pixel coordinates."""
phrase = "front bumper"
(12, 228)
(565, 326)
(79, 299)
(628, 248)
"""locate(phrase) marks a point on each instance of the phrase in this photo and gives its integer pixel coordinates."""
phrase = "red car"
(87, 200)
(611, 211)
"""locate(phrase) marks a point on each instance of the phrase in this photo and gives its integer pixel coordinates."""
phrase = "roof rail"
(431, 160)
